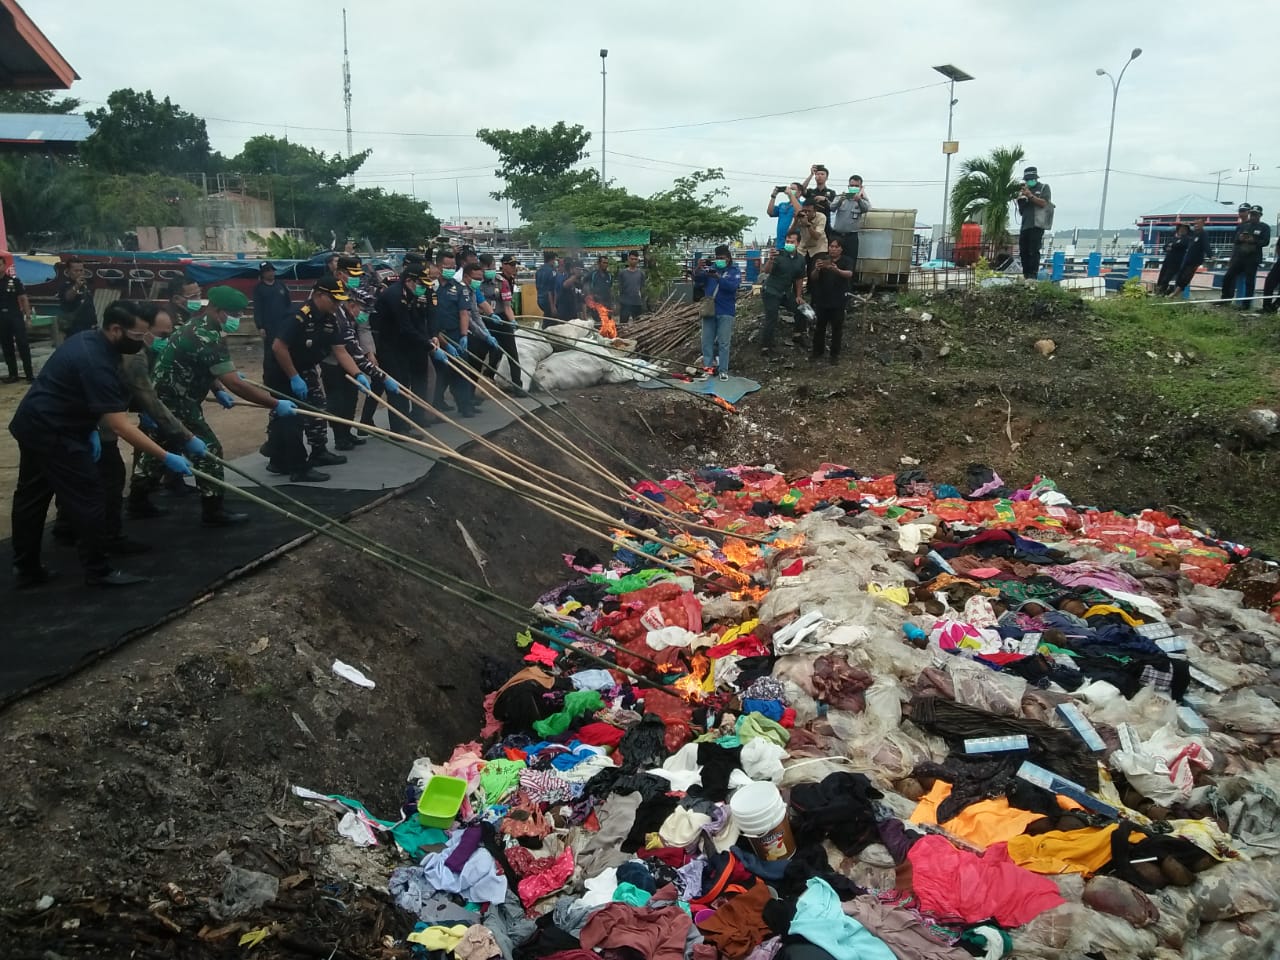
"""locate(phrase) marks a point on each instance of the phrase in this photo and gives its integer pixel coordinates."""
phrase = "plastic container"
(440, 801)
(761, 815)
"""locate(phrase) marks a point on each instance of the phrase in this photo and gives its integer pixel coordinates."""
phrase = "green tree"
(46, 201)
(124, 202)
(986, 187)
(385, 219)
(283, 247)
(679, 214)
(36, 101)
(136, 133)
(304, 182)
(537, 164)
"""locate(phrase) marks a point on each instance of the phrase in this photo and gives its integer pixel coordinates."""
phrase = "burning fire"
(722, 402)
(608, 329)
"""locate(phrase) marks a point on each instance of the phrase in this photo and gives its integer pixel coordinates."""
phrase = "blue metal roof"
(46, 127)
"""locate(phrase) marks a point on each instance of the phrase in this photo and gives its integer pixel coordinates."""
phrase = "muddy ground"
(128, 786)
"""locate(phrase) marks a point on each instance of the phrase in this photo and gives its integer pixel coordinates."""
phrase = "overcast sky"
(1185, 108)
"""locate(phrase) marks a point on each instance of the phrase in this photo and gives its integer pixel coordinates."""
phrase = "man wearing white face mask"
(195, 362)
(846, 217)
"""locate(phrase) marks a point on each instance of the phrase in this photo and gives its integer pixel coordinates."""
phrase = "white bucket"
(761, 814)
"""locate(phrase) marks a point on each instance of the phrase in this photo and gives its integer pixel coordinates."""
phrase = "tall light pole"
(1218, 186)
(1106, 173)
(604, 98)
(1247, 170)
(949, 146)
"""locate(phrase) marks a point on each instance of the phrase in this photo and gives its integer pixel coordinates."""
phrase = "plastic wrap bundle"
(532, 349)
(571, 370)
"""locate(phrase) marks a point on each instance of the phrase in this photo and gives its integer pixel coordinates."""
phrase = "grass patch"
(1229, 360)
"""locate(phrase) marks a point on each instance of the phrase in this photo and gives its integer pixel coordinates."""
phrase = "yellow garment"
(439, 937)
(1084, 851)
(741, 630)
(982, 823)
(1208, 836)
(1102, 609)
(898, 595)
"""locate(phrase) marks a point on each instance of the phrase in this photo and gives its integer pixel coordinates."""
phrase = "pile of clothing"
(998, 724)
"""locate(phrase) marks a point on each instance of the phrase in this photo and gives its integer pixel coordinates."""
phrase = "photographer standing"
(1035, 207)
(785, 211)
(820, 190)
(846, 218)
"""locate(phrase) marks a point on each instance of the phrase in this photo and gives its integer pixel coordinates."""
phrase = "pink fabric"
(539, 876)
(957, 885)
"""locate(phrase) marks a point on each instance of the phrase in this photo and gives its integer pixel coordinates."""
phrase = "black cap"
(1030, 173)
(350, 263)
(266, 265)
(329, 284)
(1256, 209)
(510, 258)
(1243, 208)
(414, 256)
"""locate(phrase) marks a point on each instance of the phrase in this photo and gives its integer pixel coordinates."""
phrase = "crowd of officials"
(435, 330)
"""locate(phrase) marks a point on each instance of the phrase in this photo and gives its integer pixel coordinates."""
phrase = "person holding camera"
(76, 300)
(784, 211)
(719, 280)
(811, 224)
(846, 217)
(829, 289)
(1035, 207)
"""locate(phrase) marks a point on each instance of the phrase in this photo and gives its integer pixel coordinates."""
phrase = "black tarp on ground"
(52, 631)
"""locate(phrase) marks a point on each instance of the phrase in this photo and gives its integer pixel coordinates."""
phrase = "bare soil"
(124, 783)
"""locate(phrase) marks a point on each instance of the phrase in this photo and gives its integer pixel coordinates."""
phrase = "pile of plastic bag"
(871, 718)
(592, 360)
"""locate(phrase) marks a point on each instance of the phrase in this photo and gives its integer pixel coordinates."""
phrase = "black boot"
(214, 514)
(323, 458)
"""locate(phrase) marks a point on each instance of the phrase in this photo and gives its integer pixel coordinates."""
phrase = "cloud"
(449, 70)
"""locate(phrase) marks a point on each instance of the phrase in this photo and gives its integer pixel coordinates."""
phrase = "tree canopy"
(537, 164)
(36, 101)
(136, 133)
(986, 187)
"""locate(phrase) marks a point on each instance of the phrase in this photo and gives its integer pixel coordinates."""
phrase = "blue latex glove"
(365, 385)
(196, 447)
(298, 386)
(177, 464)
(393, 388)
(145, 421)
(95, 446)
(462, 343)
(286, 408)
(440, 356)
(225, 399)
(493, 342)
(451, 349)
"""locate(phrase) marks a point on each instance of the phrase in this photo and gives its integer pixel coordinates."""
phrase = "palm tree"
(984, 191)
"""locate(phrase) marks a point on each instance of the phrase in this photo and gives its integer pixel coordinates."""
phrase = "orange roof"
(27, 59)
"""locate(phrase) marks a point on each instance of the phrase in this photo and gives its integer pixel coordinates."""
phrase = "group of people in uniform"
(438, 327)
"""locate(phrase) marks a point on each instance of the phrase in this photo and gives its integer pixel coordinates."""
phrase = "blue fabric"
(724, 288)
(731, 390)
(945, 491)
(542, 280)
(769, 708)
(785, 213)
(820, 920)
(717, 331)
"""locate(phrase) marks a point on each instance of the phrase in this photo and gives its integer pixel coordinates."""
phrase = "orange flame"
(608, 329)
(722, 402)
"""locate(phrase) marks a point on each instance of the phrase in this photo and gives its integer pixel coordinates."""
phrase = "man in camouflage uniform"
(196, 361)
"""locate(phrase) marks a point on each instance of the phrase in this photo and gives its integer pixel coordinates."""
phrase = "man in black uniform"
(1196, 252)
(56, 426)
(1252, 237)
(300, 345)
(450, 323)
(271, 306)
(1174, 255)
(402, 322)
(15, 313)
(76, 302)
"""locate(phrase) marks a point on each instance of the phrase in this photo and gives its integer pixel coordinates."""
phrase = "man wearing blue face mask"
(195, 362)
(402, 319)
(1035, 207)
(720, 279)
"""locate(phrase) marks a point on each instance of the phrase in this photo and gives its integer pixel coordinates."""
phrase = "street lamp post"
(1106, 173)
(1248, 170)
(949, 146)
(603, 100)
